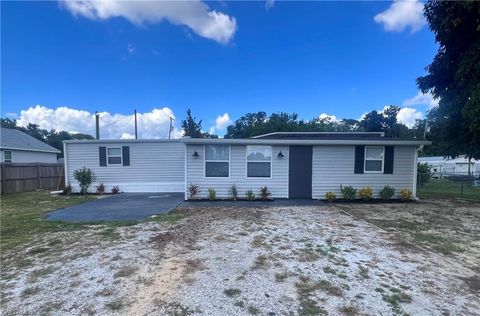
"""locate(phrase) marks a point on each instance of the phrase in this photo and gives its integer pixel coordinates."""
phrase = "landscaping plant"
(85, 178)
(386, 193)
(250, 195)
(330, 196)
(212, 194)
(67, 190)
(365, 193)
(424, 173)
(406, 195)
(115, 189)
(101, 189)
(348, 192)
(265, 193)
(234, 192)
(193, 189)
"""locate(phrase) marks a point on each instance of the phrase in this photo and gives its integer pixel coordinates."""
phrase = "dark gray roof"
(15, 139)
(323, 136)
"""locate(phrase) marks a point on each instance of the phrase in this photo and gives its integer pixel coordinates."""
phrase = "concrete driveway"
(121, 207)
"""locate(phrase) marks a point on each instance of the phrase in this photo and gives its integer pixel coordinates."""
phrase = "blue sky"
(308, 57)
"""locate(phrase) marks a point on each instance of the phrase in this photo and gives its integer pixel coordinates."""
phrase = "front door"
(300, 172)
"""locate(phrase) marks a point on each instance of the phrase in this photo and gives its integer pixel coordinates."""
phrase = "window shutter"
(126, 155)
(388, 164)
(103, 156)
(359, 159)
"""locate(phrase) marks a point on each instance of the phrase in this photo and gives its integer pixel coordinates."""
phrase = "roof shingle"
(16, 139)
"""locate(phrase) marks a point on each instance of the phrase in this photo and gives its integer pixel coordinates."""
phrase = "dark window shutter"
(126, 155)
(388, 164)
(103, 156)
(359, 158)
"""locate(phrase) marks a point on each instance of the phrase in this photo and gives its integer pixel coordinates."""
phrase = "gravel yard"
(309, 260)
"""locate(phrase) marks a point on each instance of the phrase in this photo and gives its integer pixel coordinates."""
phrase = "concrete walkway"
(121, 207)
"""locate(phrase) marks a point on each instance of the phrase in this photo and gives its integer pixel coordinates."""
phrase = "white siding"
(278, 183)
(21, 156)
(333, 166)
(154, 166)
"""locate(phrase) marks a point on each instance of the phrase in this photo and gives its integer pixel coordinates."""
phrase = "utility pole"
(170, 129)
(136, 124)
(97, 125)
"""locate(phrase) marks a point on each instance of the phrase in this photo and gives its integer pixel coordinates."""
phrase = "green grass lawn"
(22, 214)
(443, 189)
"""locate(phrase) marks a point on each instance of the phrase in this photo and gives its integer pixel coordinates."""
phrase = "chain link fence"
(457, 185)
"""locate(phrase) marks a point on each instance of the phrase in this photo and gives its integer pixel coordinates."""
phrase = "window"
(114, 156)
(259, 161)
(374, 159)
(217, 161)
(7, 156)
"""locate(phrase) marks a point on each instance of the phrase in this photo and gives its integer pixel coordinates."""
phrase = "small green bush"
(85, 177)
(265, 193)
(115, 190)
(348, 192)
(386, 193)
(212, 194)
(193, 189)
(330, 196)
(424, 173)
(234, 192)
(101, 189)
(67, 190)
(406, 195)
(250, 195)
(365, 193)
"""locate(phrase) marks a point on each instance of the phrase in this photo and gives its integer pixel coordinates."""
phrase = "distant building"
(16, 146)
(441, 166)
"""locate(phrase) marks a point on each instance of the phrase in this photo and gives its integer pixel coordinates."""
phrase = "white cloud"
(269, 4)
(402, 14)
(153, 124)
(328, 117)
(222, 121)
(408, 116)
(11, 115)
(194, 14)
(131, 49)
(421, 99)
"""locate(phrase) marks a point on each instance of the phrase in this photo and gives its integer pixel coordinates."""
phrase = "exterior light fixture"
(195, 154)
(280, 155)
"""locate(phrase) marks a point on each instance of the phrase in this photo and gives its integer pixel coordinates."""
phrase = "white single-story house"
(444, 166)
(291, 165)
(18, 147)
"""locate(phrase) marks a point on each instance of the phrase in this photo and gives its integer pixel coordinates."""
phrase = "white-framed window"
(374, 159)
(7, 156)
(114, 155)
(259, 161)
(217, 161)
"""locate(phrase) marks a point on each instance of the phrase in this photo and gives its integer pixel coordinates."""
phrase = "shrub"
(387, 192)
(348, 192)
(265, 193)
(406, 195)
(250, 195)
(85, 178)
(234, 192)
(212, 194)
(67, 190)
(101, 189)
(330, 196)
(115, 189)
(193, 189)
(424, 173)
(365, 193)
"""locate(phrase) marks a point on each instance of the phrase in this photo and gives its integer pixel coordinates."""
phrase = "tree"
(8, 123)
(372, 122)
(191, 127)
(453, 77)
(85, 177)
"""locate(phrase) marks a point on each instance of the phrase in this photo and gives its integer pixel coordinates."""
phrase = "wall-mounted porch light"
(280, 155)
(195, 154)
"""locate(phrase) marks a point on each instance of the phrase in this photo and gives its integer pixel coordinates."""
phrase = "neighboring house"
(291, 165)
(16, 147)
(441, 166)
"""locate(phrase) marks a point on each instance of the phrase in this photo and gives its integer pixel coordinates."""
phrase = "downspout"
(65, 164)
(415, 163)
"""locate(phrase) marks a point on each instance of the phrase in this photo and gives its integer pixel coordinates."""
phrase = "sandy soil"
(269, 261)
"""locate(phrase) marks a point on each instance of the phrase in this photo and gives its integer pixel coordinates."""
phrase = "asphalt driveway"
(121, 207)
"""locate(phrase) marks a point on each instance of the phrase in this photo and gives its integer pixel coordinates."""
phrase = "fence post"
(38, 176)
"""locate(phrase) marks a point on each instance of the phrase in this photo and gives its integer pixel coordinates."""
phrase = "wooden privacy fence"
(26, 177)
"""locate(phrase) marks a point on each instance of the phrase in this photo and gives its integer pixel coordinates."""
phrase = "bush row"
(349, 193)
(264, 193)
